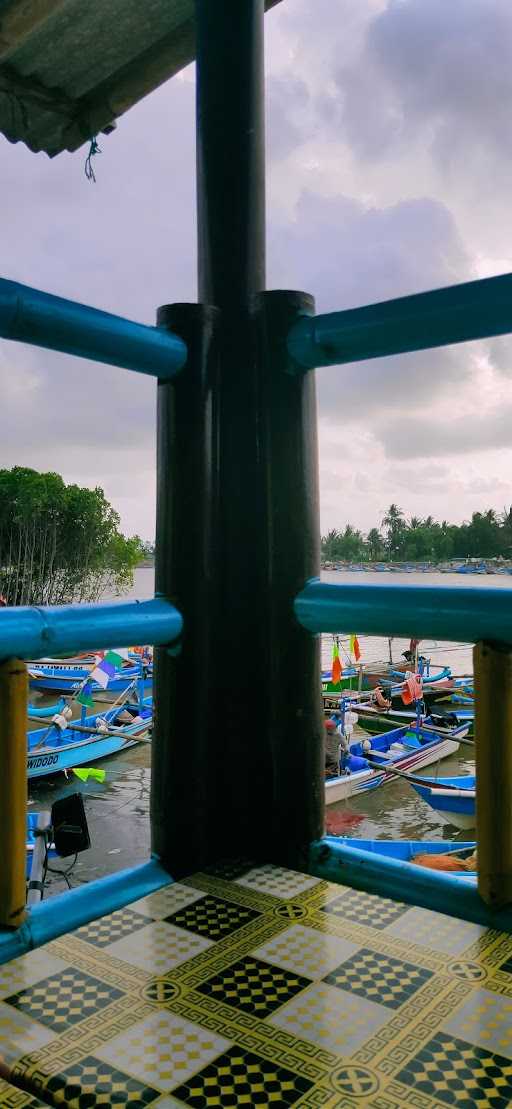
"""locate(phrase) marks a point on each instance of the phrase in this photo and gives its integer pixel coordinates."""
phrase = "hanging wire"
(88, 168)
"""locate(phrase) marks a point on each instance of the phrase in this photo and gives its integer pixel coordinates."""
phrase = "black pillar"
(238, 509)
(185, 565)
(230, 153)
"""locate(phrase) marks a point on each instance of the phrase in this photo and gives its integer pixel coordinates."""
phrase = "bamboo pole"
(13, 791)
(493, 749)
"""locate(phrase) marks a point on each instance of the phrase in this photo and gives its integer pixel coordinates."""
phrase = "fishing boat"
(357, 777)
(45, 712)
(375, 720)
(52, 749)
(67, 675)
(389, 676)
(408, 748)
(452, 798)
(349, 680)
(406, 851)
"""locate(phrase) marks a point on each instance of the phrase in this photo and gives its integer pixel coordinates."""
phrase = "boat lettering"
(41, 760)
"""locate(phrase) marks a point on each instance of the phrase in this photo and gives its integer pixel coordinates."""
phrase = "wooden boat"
(391, 676)
(67, 675)
(36, 712)
(51, 750)
(401, 749)
(388, 675)
(408, 748)
(452, 798)
(407, 850)
(375, 720)
(357, 777)
(349, 680)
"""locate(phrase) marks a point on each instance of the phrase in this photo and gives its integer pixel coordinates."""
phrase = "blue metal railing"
(35, 632)
(43, 320)
(474, 310)
(425, 611)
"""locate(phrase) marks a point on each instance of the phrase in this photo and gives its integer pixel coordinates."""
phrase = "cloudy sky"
(389, 133)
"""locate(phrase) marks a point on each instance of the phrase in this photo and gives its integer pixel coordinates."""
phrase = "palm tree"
(395, 524)
(374, 544)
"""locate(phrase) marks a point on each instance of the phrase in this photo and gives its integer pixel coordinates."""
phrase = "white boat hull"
(351, 785)
(416, 759)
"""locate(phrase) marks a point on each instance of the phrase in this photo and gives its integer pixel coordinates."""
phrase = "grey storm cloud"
(382, 77)
(431, 73)
(127, 245)
(429, 437)
(349, 255)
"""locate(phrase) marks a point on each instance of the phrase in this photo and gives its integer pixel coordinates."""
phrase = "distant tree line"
(60, 543)
(487, 535)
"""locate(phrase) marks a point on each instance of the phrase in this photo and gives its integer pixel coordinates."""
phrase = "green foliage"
(58, 542)
(487, 535)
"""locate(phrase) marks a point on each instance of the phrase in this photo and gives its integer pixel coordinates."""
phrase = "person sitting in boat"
(332, 742)
(380, 700)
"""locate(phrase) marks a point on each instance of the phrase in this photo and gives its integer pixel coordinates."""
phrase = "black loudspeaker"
(69, 823)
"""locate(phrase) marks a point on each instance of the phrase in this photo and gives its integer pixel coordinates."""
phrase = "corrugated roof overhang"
(70, 68)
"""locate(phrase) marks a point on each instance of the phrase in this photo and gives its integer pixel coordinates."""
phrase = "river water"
(118, 810)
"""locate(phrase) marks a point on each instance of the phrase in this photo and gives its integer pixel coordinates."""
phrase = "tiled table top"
(261, 987)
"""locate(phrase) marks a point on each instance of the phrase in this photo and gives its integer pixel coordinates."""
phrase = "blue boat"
(408, 748)
(452, 798)
(34, 712)
(406, 850)
(66, 676)
(52, 749)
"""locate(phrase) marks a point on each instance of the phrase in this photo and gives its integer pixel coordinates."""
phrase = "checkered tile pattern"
(167, 900)
(253, 986)
(277, 881)
(159, 947)
(460, 1074)
(485, 1018)
(306, 951)
(258, 986)
(91, 1083)
(434, 930)
(242, 1078)
(330, 1018)
(213, 917)
(379, 978)
(163, 1049)
(104, 931)
(64, 999)
(364, 908)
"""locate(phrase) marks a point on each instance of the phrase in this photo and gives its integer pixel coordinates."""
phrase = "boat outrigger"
(53, 748)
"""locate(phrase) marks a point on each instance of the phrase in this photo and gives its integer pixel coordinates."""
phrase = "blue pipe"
(388, 877)
(423, 611)
(76, 907)
(473, 310)
(37, 632)
(31, 316)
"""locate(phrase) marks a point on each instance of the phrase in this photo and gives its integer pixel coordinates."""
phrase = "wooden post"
(13, 791)
(493, 746)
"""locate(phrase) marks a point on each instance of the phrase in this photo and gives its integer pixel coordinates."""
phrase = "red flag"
(336, 670)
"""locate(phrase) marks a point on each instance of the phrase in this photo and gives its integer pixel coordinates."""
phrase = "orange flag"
(354, 647)
(337, 669)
